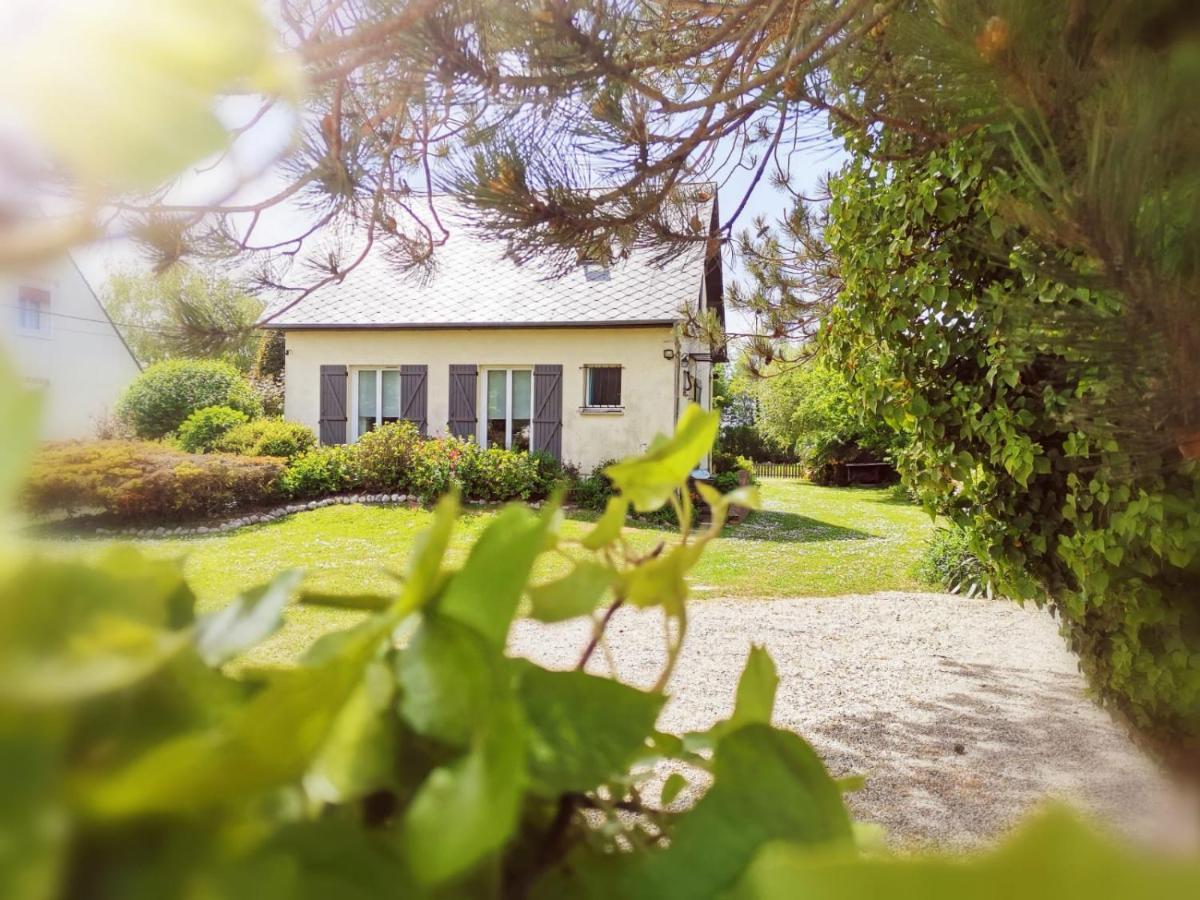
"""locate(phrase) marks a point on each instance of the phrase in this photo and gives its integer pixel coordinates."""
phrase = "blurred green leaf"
(467, 810)
(575, 594)
(423, 575)
(484, 594)
(583, 730)
(33, 836)
(124, 92)
(20, 410)
(268, 742)
(768, 785)
(449, 678)
(246, 620)
(662, 581)
(69, 631)
(359, 756)
(1054, 857)
(647, 481)
(608, 526)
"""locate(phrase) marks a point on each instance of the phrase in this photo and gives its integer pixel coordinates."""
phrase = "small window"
(378, 399)
(33, 311)
(602, 387)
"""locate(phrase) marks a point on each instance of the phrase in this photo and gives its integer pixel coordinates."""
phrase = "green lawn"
(807, 541)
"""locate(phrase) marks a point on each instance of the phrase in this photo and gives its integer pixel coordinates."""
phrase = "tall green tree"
(185, 311)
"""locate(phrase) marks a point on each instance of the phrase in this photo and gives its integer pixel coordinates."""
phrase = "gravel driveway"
(962, 714)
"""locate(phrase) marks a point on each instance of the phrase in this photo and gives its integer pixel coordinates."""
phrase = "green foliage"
(321, 471)
(203, 430)
(139, 481)
(812, 409)
(161, 398)
(268, 437)
(184, 312)
(271, 356)
(949, 562)
(949, 332)
(1052, 858)
(385, 455)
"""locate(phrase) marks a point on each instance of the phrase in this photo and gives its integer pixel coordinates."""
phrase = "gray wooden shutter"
(414, 404)
(333, 405)
(547, 409)
(464, 388)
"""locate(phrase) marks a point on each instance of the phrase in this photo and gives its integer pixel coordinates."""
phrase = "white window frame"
(43, 312)
(355, 371)
(481, 404)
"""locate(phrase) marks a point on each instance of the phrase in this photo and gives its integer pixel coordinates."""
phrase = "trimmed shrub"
(268, 437)
(204, 428)
(321, 471)
(495, 474)
(386, 454)
(162, 397)
(146, 481)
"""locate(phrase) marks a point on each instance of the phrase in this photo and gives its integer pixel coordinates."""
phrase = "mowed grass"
(806, 541)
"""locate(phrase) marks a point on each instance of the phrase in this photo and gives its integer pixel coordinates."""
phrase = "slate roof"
(474, 285)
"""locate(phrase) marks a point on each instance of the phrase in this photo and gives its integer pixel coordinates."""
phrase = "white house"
(58, 337)
(589, 366)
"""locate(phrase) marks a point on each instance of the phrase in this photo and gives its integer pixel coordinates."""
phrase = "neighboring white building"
(58, 337)
(588, 366)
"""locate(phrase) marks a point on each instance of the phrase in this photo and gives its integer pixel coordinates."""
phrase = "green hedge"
(139, 480)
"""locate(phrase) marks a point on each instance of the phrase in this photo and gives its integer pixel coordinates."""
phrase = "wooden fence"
(778, 470)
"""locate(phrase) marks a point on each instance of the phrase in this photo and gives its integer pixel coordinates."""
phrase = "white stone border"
(279, 512)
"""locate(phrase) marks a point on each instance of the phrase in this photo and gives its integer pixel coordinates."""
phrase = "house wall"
(78, 360)
(648, 379)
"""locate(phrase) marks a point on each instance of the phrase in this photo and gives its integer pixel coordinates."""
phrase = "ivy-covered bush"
(320, 472)
(161, 398)
(203, 430)
(947, 332)
(268, 437)
(142, 481)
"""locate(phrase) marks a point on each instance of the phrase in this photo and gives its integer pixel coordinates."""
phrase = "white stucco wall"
(649, 391)
(79, 360)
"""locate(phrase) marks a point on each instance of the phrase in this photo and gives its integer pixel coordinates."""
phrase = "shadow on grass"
(771, 525)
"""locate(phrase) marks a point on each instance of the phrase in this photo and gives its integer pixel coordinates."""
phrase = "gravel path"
(962, 714)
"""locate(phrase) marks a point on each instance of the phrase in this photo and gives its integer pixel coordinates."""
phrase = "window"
(377, 399)
(509, 397)
(602, 387)
(33, 311)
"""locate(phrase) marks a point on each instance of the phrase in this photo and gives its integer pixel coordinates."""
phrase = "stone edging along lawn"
(262, 517)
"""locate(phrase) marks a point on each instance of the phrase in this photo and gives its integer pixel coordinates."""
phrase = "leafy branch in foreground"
(409, 755)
